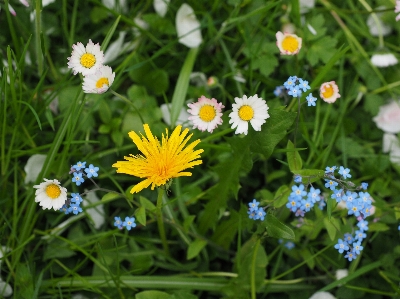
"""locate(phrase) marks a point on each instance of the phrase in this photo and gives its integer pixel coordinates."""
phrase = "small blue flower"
(80, 165)
(252, 214)
(354, 208)
(364, 185)
(65, 209)
(321, 204)
(341, 246)
(398, 227)
(350, 256)
(253, 206)
(330, 169)
(345, 172)
(291, 82)
(76, 198)
(311, 100)
(348, 238)
(363, 225)
(294, 91)
(360, 235)
(298, 191)
(351, 196)
(118, 222)
(91, 171)
(293, 204)
(129, 222)
(330, 184)
(260, 214)
(337, 195)
(306, 205)
(303, 84)
(75, 208)
(289, 245)
(365, 197)
(357, 247)
(297, 179)
(77, 179)
(313, 195)
(279, 90)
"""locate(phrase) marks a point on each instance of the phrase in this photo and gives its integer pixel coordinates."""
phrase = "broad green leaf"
(110, 196)
(378, 227)
(330, 228)
(277, 229)
(187, 222)
(281, 196)
(310, 175)
(152, 295)
(306, 255)
(293, 157)
(105, 112)
(144, 202)
(195, 247)
(140, 214)
(226, 231)
(273, 131)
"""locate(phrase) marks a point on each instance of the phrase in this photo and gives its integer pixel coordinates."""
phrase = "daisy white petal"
(329, 92)
(288, 44)
(245, 110)
(188, 27)
(100, 81)
(50, 194)
(384, 60)
(206, 114)
(85, 60)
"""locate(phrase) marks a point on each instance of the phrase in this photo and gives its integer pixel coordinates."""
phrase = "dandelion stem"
(160, 222)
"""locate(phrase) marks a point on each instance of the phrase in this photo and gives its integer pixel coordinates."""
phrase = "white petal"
(322, 295)
(388, 118)
(96, 213)
(188, 27)
(33, 167)
(114, 49)
(389, 141)
(182, 118)
(5, 289)
(161, 7)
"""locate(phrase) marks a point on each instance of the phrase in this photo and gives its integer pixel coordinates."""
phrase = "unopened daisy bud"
(100, 81)
(329, 92)
(288, 44)
(85, 60)
(212, 81)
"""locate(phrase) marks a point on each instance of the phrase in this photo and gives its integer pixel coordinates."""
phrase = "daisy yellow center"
(328, 91)
(53, 191)
(88, 60)
(246, 113)
(101, 82)
(290, 44)
(207, 113)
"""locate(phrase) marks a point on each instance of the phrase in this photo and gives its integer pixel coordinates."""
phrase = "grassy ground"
(196, 240)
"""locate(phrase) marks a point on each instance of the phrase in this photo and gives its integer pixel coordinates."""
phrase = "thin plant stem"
(160, 221)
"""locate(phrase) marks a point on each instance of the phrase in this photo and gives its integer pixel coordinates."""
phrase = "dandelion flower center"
(290, 44)
(246, 112)
(328, 91)
(53, 191)
(88, 60)
(101, 82)
(207, 113)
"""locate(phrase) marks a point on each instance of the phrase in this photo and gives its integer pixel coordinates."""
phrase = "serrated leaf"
(194, 248)
(323, 50)
(140, 214)
(293, 157)
(277, 229)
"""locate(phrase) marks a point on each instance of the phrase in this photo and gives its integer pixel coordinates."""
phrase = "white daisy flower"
(245, 110)
(288, 44)
(329, 92)
(384, 60)
(50, 194)
(100, 81)
(206, 114)
(85, 60)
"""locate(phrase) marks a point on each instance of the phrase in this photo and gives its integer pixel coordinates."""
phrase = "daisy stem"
(160, 222)
(377, 21)
(127, 101)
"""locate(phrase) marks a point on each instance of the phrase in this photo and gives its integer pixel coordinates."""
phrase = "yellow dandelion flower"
(159, 163)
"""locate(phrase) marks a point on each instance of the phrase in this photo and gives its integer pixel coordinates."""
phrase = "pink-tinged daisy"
(288, 44)
(85, 60)
(50, 194)
(100, 81)
(329, 92)
(245, 110)
(206, 114)
(397, 9)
